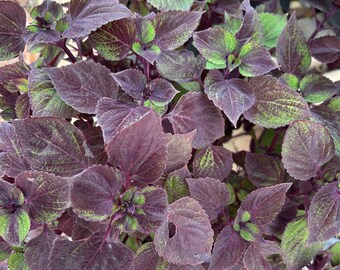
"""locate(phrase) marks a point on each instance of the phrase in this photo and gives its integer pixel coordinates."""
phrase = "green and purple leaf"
(23, 107)
(175, 184)
(251, 27)
(272, 26)
(171, 5)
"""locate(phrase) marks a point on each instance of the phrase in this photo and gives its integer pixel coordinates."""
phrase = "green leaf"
(290, 80)
(232, 24)
(17, 262)
(171, 5)
(147, 31)
(272, 26)
(335, 251)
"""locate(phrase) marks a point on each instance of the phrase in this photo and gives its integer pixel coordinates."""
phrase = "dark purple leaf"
(325, 49)
(160, 92)
(251, 27)
(228, 249)
(95, 142)
(306, 147)
(212, 195)
(78, 89)
(22, 106)
(212, 161)
(192, 239)
(5, 250)
(233, 96)
(275, 105)
(265, 204)
(12, 25)
(140, 149)
(14, 76)
(323, 214)
(87, 16)
(41, 37)
(196, 111)
(175, 184)
(324, 5)
(292, 52)
(52, 145)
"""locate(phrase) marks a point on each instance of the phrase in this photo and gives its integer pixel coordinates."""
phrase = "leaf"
(264, 170)
(296, 253)
(52, 145)
(289, 80)
(140, 149)
(228, 249)
(114, 116)
(306, 147)
(5, 250)
(255, 60)
(212, 161)
(174, 28)
(45, 100)
(40, 37)
(272, 26)
(195, 111)
(114, 40)
(212, 195)
(12, 25)
(265, 204)
(78, 89)
(317, 88)
(149, 52)
(292, 52)
(160, 92)
(95, 143)
(192, 239)
(92, 253)
(323, 216)
(14, 76)
(275, 105)
(46, 195)
(215, 44)
(93, 192)
(17, 262)
(233, 96)
(325, 49)
(87, 16)
(175, 185)
(23, 107)
(170, 5)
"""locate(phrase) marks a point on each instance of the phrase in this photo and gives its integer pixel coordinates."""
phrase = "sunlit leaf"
(170, 5)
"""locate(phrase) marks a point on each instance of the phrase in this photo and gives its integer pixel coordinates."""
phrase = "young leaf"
(306, 147)
(233, 96)
(212, 161)
(175, 185)
(325, 49)
(139, 150)
(212, 195)
(289, 80)
(87, 16)
(323, 217)
(160, 92)
(272, 26)
(196, 111)
(292, 52)
(170, 5)
(265, 204)
(93, 192)
(17, 262)
(80, 90)
(12, 25)
(46, 195)
(275, 105)
(228, 249)
(186, 222)
(52, 145)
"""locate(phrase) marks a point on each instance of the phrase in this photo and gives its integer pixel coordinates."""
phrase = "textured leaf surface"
(233, 96)
(17, 262)
(251, 27)
(22, 106)
(171, 5)
(175, 185)
(86, 16)
(325, 49)
(12, 25)
(272, 26)
(160, 92)
(80, 90)
(212, 161)
(52, 145)
(46, 195)
(196, 111)
(275, 105)
(5, 250)
(193, 237)
(306, 147)
(292, 52)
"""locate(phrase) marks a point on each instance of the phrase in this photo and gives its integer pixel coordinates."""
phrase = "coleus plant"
(112, 144)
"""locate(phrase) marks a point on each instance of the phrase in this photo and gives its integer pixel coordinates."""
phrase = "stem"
(63, 46)
(274, 141)
(127, 182)
(320, 24)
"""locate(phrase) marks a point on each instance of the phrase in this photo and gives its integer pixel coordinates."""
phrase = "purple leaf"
(265, 204)
(264, 170)
(212, 195)
(292, 52)
(92, 254)
(174, 28)
(251, 27)
(212, 161)
(12, 74)
(87, 16)
(140, 150)
(160, 92)
(114, 116)
(196, 111)
(170, 5)
(306, 147)
(94, 190)
(41, 37)
(5, 250)
(186, 236)
(323, 214)
(23, 107)
(275, 105)
(325, 49)
(52, 145)
(95, 142)
(80, 90)
(228, 249)
(12, 25)
(46, 195)
(233, 96)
